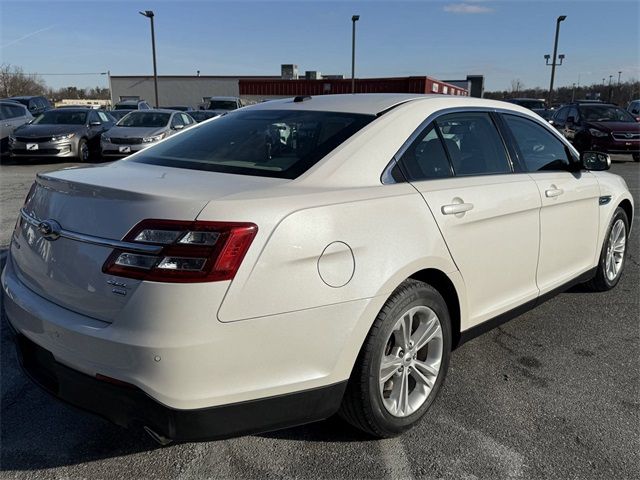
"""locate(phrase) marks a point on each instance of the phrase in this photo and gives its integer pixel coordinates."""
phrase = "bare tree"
(13, 82)
(516, 85)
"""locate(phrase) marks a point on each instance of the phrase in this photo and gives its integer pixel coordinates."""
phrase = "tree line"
(620, 94)
(14, 82)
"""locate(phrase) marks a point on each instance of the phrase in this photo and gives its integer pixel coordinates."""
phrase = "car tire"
(83, 150)
(612, 260)
(368, 403)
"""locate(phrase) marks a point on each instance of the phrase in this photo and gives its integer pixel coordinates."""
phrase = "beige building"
(176, 90)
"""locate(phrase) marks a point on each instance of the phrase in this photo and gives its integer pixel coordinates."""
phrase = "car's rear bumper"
(129, 406)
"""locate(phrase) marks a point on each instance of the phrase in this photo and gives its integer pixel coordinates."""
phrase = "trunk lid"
(106, 201)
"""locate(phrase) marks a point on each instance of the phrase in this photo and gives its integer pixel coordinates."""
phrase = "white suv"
(235, 279)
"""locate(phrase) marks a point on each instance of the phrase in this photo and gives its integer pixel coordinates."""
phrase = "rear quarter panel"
(384, 234)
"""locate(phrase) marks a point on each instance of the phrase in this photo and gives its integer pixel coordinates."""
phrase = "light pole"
(149, 14)
(554, 64)
(619, 75)
(354, 19)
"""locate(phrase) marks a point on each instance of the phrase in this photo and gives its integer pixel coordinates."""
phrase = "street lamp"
(149, 14)
(553, 64)
(354, 19)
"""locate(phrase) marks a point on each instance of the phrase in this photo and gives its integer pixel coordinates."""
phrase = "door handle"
(456, 208)
(553, 192)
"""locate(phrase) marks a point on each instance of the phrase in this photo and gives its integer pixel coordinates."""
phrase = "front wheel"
(613, 254)
(83, 150)
(402, 363)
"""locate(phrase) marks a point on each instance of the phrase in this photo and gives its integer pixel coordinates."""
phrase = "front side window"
(104, 117)
(473, 144)
(538, 148)
(426, 158)
(186, 119)
(268, 143)
(61, 117)
(561, 115)
(176, 121)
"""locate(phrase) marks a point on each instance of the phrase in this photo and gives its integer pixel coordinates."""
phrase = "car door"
(569, 216)
(176, 124)
(94, 126)
(487, 213)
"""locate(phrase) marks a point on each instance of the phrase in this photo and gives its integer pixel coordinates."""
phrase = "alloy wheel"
(615, 249)
(411, 361)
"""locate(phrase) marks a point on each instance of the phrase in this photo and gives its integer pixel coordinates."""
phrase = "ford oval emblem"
(49, 229)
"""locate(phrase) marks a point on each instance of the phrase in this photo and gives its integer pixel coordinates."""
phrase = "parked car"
(224, 104)
(180, 108)
(132, 105)
(599, 126)
(530, 103)
(62, 133)
(303, 257)
(12, 115)
(634, 109)
(35, 104)
(202, 115)
(141, 129)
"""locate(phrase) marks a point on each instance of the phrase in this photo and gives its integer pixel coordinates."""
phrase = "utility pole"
(354, 19)
(149, 14)
(554, 64)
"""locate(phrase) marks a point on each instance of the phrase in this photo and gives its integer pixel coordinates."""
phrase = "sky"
(503, 40)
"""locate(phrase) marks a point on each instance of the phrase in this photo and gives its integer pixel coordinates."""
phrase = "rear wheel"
(83, 150)
(402, 363)
(613, 254)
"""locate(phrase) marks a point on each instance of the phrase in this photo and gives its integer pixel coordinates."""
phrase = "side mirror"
(595, 161)
(178, 127)
(550, 121)
(95, 124)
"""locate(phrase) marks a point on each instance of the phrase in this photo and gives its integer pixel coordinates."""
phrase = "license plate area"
(124, 149)
(32, 147)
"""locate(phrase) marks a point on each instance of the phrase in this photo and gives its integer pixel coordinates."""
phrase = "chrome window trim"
(93, 240)
(386, 178)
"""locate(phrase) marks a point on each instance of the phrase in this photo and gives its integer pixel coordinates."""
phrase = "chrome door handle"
(456, 208)
(553, 192)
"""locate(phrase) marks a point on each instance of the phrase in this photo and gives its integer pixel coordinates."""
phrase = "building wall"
(175, 90)
(274, 88)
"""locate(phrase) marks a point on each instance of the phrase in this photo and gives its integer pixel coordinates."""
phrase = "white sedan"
(303, 257)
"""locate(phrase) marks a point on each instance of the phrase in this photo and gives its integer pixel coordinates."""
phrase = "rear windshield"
(144, 119)
(222, 105)
(126, 106)
(200, 116)
(268, 143)
(529, 103)
(61, 117)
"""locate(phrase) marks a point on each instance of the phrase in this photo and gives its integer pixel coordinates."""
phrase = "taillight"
(190, 251)
(18, 224)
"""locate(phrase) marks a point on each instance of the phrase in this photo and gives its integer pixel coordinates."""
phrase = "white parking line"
(395, 458)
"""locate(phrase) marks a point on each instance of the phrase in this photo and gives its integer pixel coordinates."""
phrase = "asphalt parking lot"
(554, 393)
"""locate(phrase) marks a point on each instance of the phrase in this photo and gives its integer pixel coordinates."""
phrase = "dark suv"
(599, 126)
(35, 104)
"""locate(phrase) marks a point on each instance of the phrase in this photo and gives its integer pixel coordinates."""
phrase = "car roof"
(26, 97)
(371, 103)
(223, 98)
(71, 109)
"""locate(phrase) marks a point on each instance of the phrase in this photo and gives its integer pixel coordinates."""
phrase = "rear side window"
(269, 143)
(538, 148)
(474, 144)
(426, 158)
(561, 115)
